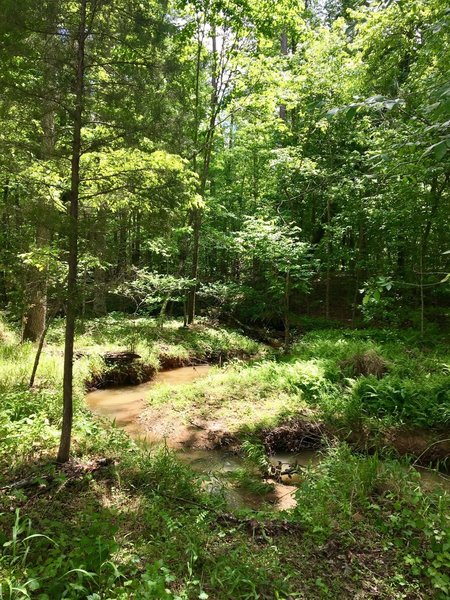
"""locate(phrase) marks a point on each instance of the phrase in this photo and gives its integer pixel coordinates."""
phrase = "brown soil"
(120, 374)
(427, 447)
(283, 495)
(162, 423)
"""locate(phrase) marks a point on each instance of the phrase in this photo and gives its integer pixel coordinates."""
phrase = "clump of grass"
(424, 402)
(336, 490)
(364, 364)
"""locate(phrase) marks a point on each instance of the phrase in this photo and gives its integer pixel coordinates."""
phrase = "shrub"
(365, 363)
(423, 402)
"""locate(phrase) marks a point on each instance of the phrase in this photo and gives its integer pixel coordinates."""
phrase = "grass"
(317, 382)
(143, 527)
(242, 396)
(158, 345)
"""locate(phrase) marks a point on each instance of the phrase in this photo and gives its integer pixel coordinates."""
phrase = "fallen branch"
(72, 470)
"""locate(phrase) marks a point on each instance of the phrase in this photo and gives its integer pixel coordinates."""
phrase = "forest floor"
(126, 521)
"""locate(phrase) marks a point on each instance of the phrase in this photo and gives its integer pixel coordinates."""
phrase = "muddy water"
(125, 405)
(219, 464)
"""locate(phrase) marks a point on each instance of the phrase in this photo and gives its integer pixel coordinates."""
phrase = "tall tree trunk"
(35, 317)
(122, 260)
(34, 320)
(99, 304)
(4, 244)
(71, 302)
(192, 296)
(435, 193)
(197, 212)
(287, 295)
(37, 357)
(359, 272)
(284, 52)
(327, 281)
(136, 242)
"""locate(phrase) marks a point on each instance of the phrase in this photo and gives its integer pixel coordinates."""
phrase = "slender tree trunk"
(4, 244)
(197, 213)
(422, 298)
(136, 244)
(163, 310)
(122, 260)
(287, 293)
(255, 174)
(37, 358)
(327, 282)
(284, 52)
(436, 193)
(71, 305)
(191, 304)
(99, 304)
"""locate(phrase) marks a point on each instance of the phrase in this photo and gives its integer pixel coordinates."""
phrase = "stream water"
(125, 405)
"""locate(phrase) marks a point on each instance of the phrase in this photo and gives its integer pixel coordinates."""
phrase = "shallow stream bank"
(212, 451)
(196, 444)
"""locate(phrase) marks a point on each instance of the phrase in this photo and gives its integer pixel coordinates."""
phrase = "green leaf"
(439, 150)
(351, 112)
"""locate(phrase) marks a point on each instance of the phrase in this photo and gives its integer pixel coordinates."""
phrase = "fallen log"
(111, 358)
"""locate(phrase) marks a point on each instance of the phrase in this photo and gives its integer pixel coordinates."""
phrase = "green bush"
(335, 490)
(423, 402)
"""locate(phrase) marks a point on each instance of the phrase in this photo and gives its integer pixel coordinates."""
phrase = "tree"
(283, 262)
(85, 24)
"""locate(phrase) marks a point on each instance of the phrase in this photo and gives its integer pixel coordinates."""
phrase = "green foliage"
(423, 402)
(256, 455)
(346, 492)
(145, 526)
(287, 160)
(336, 490)
(150, 290)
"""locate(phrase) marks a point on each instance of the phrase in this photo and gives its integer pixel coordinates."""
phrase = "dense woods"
(263, 184)
(194, 130)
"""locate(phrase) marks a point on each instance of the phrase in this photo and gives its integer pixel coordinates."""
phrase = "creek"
(126, 405)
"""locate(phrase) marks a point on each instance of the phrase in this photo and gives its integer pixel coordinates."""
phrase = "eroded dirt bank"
(127, 406)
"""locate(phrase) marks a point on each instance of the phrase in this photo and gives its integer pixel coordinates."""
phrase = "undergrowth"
(412, 389)
(143, 526)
